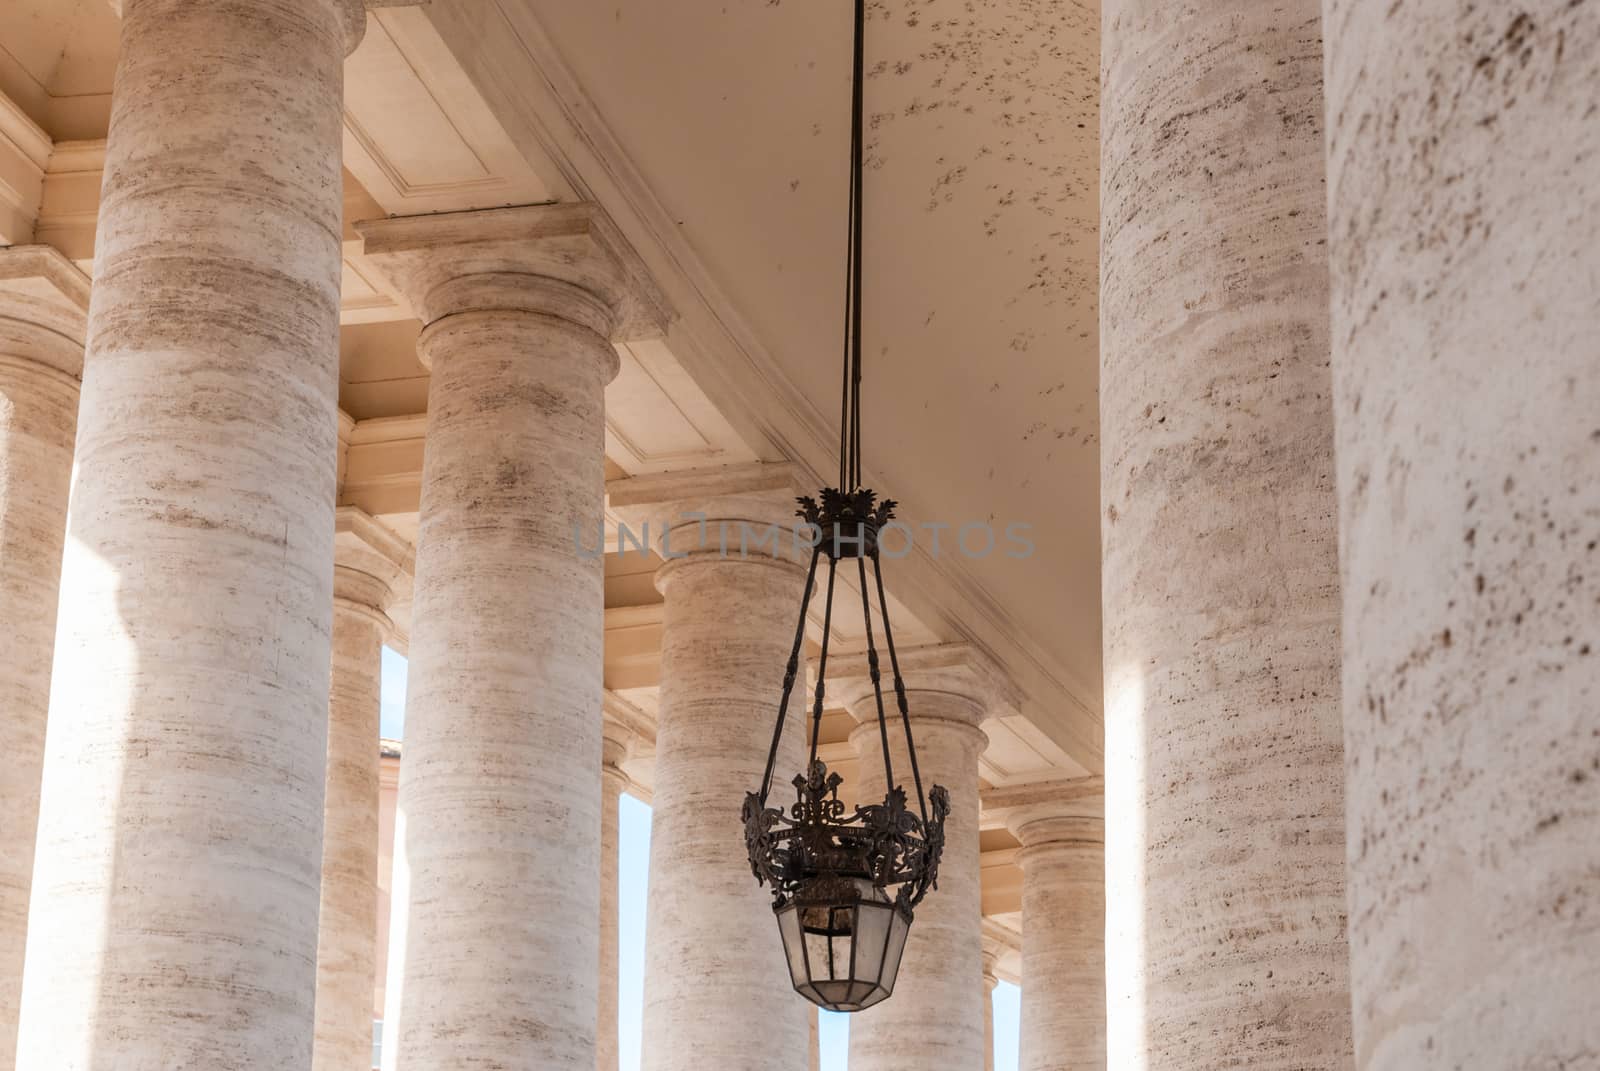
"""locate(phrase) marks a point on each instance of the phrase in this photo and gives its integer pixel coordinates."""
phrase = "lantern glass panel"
(872, 940)
(794, 945)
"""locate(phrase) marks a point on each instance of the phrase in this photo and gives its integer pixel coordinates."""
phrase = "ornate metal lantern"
(845, 885)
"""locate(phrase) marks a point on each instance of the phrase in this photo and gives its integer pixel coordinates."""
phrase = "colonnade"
(1349, 596)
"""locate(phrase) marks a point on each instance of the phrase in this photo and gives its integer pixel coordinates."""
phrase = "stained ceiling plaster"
(981, 243)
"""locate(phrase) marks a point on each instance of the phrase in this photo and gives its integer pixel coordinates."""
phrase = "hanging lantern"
(845, 883)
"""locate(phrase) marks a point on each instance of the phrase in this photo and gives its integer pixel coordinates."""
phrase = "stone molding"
(451, 263)
(699, 513)
(616, 747)
(373, 567)
(44, 305)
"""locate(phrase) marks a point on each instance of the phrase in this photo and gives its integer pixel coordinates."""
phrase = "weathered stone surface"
(1224, 766)
(991, 956)
(613, 782)
(717, 989)
(1465, 252)
(371, 570)
(935, 1017)
(500, 788)
(1063, 936)
(42, 303)
(174, 915)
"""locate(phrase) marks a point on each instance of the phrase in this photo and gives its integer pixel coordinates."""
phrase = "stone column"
(1465, 249)
(991, 956)
(1063, 935)
(816, 1039)
(935, 1017)
(174, 910)
(500, 785)
(43, 298)
(717, 989)
(1224, 771)
(371, 568)
(614, 747)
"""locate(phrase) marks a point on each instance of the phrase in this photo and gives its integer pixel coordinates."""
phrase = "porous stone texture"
(1063, 936)
(1465, 248)
(717, 991)
(500, 788)
(42, 303)
(176, 882)
(935, 1017)
(1224, 763)
(991, 956)
(613, 782)
(370, 571)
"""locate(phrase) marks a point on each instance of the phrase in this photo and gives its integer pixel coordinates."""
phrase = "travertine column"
(717, 990)
(174, 909)
(1224, 771)
(1063, 935)
(991, 956)
(500, 785)
(370, 571)
(42, 303)
(614, 746)
(935, 1017)
(1466, 252)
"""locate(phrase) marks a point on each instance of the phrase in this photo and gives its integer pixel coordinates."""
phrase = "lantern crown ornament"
(846, 881)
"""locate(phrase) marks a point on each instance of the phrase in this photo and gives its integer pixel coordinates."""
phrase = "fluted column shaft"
(717, 989)
(613, 782)
(176, 884)
(500, 785)
(935, 1017)
(1063, 944)
(41, 354)
(1224, 770)
(1465, 244)
(348, 928)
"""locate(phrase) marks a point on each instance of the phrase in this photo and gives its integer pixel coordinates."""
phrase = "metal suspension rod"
(789, 674)
(899, 689)
(857, 161)
(822, 666)
(875, 675)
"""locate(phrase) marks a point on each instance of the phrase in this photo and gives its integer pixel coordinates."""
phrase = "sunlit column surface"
(1063, 935)
(991, 956)
(500, 786)
(716, 989)
(935, 1017)
(371, 570)
(1465, 244)
(613, 782)
(174, 910)
(43, 298)
(1220, 578)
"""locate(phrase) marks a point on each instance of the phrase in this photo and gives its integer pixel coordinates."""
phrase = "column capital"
(372, 566)
(563, 260)
(950, 681)
(993, 950)
(1068, 823)
(728, 512)
(44, 305)
(616, 746)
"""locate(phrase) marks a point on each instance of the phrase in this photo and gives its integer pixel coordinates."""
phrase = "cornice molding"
(576, 244)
